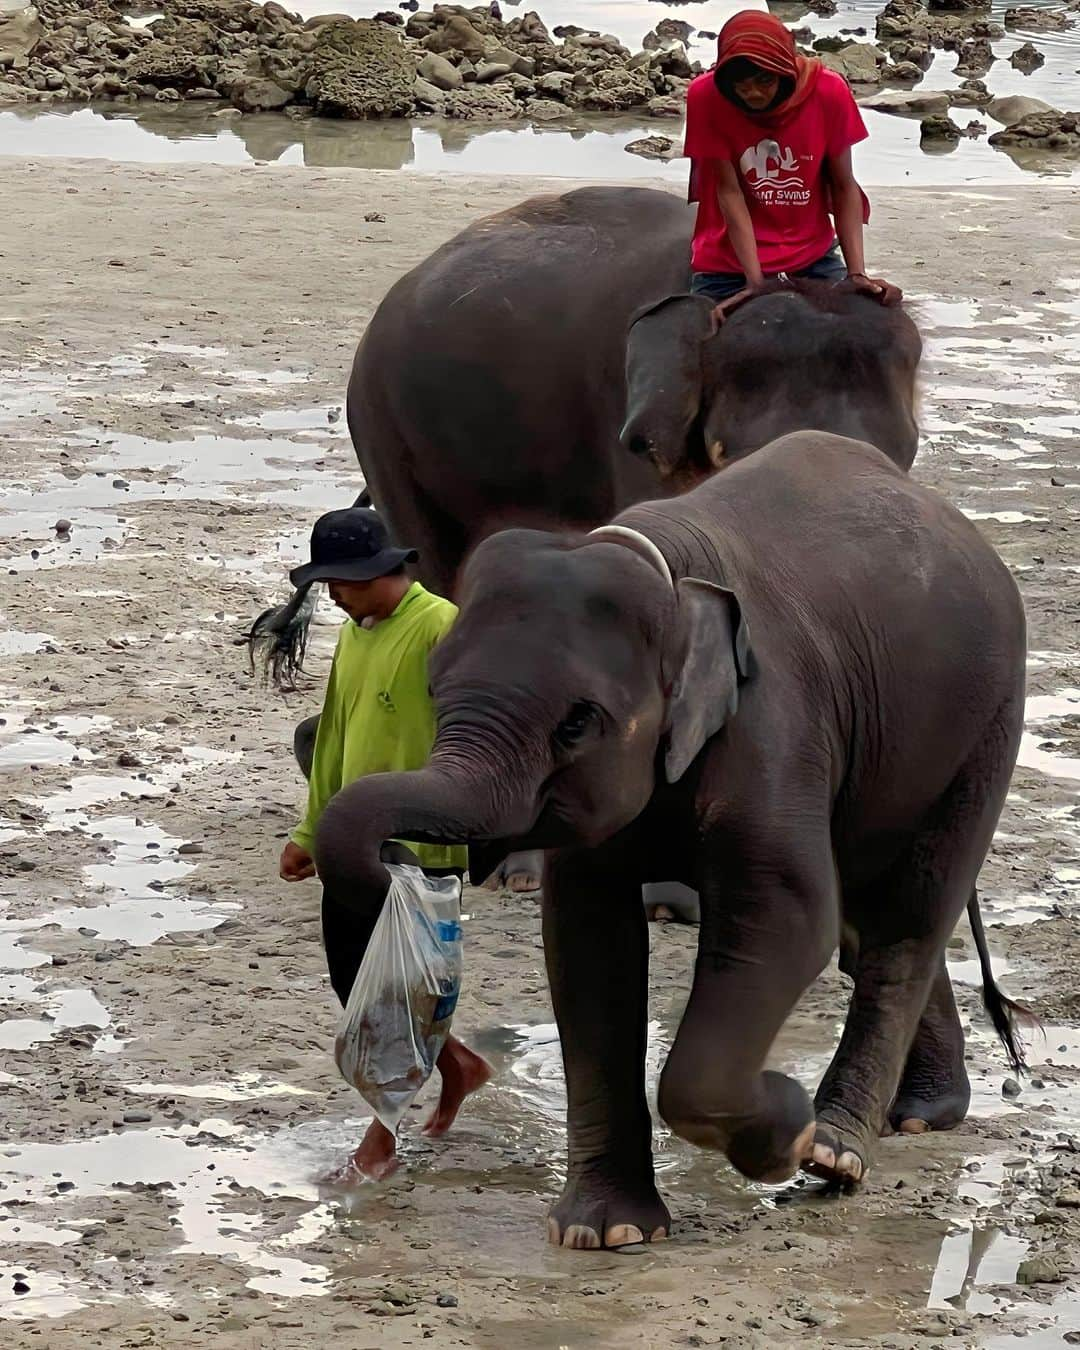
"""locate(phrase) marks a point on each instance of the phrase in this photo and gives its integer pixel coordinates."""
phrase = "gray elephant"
(805, 677)
(546, 367)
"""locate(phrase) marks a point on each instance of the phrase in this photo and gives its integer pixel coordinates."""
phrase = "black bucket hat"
(350, 545)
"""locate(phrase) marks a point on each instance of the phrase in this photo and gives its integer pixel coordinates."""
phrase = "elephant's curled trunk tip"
(277, 641)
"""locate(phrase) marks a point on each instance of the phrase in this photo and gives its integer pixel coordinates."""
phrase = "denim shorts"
(723, 285)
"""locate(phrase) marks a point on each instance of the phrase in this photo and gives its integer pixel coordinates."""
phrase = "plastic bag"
(402, 1001)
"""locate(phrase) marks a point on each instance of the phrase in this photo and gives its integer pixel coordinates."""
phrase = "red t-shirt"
(780, 171)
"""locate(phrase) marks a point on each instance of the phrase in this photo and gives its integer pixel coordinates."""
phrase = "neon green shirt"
(378, 716)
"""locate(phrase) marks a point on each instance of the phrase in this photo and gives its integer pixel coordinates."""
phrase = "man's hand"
(732, 303)
(884, 292)
(296, 864)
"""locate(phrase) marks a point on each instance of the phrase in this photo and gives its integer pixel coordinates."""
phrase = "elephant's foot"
(841, 1147)
(521, 873)
(769, 1145)
(670, 902)
(930, 1099)
(597, 1211)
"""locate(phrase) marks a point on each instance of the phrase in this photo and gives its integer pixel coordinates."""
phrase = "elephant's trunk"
(441, 804)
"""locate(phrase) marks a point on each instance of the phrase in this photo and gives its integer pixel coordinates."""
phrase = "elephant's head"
(803, 356)
(573, 662)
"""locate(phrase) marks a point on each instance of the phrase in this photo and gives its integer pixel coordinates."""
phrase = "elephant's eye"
(582, 719)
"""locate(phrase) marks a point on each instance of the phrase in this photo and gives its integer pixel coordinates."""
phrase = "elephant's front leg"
(596, 947)
(769, 923)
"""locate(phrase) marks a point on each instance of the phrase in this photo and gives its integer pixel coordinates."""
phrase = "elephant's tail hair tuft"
(277, 640)
(1005, 1013)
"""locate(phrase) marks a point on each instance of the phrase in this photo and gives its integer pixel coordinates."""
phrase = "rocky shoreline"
(470, 64)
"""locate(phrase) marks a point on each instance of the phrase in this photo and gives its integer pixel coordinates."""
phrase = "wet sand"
(174, 345)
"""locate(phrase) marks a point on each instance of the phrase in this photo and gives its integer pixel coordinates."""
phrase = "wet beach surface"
(171, 1106)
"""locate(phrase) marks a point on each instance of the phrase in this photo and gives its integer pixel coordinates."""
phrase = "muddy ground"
(174, 346)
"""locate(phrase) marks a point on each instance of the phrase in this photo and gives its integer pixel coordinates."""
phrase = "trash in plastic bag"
(402, 1001)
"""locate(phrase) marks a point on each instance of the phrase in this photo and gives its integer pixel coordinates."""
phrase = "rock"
(971, 94)
(488, 71)
(62, 526)
(456, 33)
(556, 83)
(482, 103)
(446, 1301)
(1039, 1270)
(545, 109)
(674, 30)
(390, 16)
(617, 89)
(20, 33)
(257, 95)
(956, 6)
(428, 95)
(137, 1118)
(976, 56)
(859, 63)
(191, 847)
(653, 147)
(1011, 1088)
(13, 93)
(1042, 131)
(1027, 59)
(1014, 108)
(1066, 1199)
(440, 72)
(666, 105)
(975, 129)
(908, 103)
(360, 69)
(904, 72)
(171, 67)
(939, 129)
(1038, 20)
(530, 28)
(824, 9)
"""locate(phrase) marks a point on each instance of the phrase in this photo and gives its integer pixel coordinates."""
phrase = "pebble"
(446, 1301)
(120, 483)
(137, 1118)
(1068, 1199)
(62, 526)
(1057, 482)
(21, 1287)
(190, 848)
(1011, 1088)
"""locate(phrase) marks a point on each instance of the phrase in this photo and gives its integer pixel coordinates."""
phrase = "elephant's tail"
(1005, 1013)
(277, 640)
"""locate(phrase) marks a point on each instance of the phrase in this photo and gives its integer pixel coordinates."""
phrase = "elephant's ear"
(716, 659)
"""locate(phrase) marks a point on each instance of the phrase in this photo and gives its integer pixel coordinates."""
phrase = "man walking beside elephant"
(377, 717)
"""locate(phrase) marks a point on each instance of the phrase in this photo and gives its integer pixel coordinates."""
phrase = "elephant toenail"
(658, 1235)
(850, 1165)
(581, 1238)
(914, 1126)
(554, 1233)
(824, 1156)
(623, 1235)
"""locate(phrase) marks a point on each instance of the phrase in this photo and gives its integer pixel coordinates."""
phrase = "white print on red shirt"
(772, 174)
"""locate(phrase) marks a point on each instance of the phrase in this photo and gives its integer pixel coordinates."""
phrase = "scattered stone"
(653, 147)
(446, 1301)
(1054, 482)
(939, 129)
(1027, 59)
(20, 1286)
(976, 57)
(20, 33)
(187, 849)
(1039, 1270)
(908, 103)
(1038, 20)
(1042, 131)
(956, 6)
(859, 63)
(259, 95)
(62, 526)
(1014, 108)
(666, 105)
(137, 1118)
(375, 217)
(1011, 1088)
(440, 72)
(1068, 1199)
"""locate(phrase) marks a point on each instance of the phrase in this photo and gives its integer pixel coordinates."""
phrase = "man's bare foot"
(463, 1071)
(376, 1158)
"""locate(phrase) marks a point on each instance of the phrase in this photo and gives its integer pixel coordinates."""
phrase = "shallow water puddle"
(48, 1296)
(972, 1260)
(202, 1179)
(246, 1087)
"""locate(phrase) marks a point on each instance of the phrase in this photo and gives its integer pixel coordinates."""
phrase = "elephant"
(807, 674)
(546, 367)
